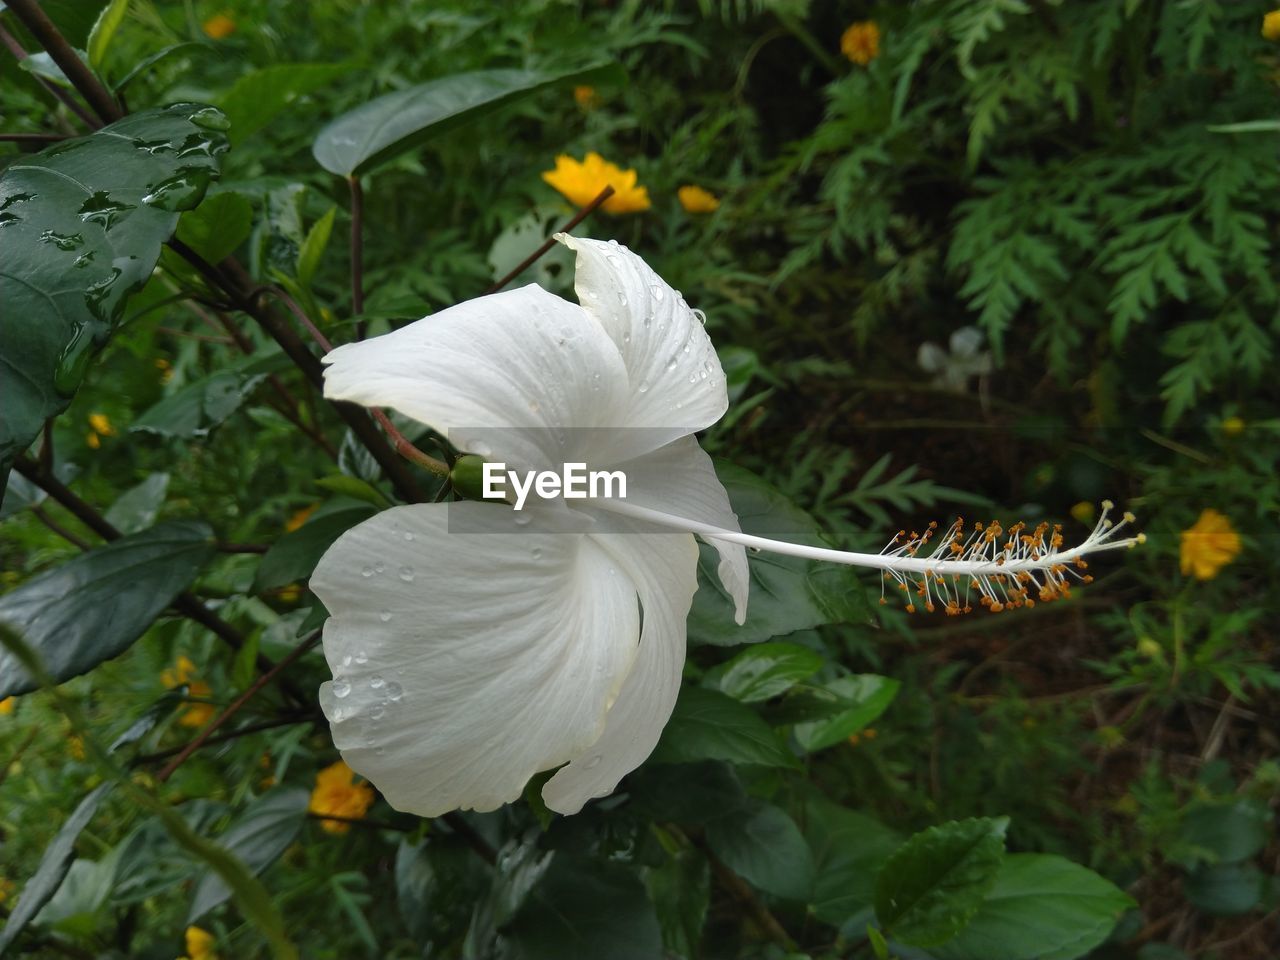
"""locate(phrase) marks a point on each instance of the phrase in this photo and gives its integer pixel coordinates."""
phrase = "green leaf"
(95, 606)
(54, 864)
(600, 909)
(867, 696)
(849, 849)
(708, 725)
(787, 593)
(1225, 889)
(146, 63)
(1224, 832)
(765, 847)
(765, 671)
(137, 507)
(259, 97)
(104, 30)
(196, 408)
(314, 246)
(295, 555)
(82, 226)
(1042, 907)
(218, 226)
(935, 883)
(878, 945)
(257, 838)
(680, 890)
(397, 122)
(686, 793)
(355, 488)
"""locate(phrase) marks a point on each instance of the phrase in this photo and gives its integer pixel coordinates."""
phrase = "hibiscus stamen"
(1008, 569)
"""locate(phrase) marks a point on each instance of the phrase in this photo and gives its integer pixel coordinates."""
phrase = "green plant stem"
(19, 53)
(357, 252)
(81, 77)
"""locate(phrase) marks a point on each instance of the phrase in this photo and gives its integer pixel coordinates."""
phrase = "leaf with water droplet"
(78, 244)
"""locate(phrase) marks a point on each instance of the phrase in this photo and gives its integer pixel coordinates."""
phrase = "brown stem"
(550, 242)
(357, 251)
(235, 734)
(63, 532)
(186, 603)
(237, 284)
(19, 53)
(399, 442)
(468, 833)
(81, 77)
(235, 706)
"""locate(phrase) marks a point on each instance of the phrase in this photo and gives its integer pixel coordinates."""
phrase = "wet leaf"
(395, 122)
(95, 606)
(81, 225)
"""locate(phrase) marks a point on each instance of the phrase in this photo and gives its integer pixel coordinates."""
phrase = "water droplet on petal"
(408, 537)
(379, 567)
(536, 553)
(406, 573)
(622, 298)
(362, 657)
(702, 317)
(367, 572)
(341, 688)
(657, 290)
(384, 616)
(644, 386)
(394, 691)
(346, 661)
(376, 682)
(378, 712)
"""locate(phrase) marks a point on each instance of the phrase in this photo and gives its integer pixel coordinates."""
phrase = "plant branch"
(550, 242)
(19, 53)
(40, 514)
(234, 707)
(81, 77)
(357, 251)
(237, 284)
(399, 442)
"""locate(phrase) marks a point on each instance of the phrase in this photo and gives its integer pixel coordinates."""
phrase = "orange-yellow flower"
(184, 672)
(337, 794)
(199, 945)
(1209, 545)
(1233, 426)
(218, 27)
(861, 42)
(299, 518)
(75, 747)
(7, 705)
(6, 888)
(694, 199)
(582, 182)
(1271, 25)
(586, 97)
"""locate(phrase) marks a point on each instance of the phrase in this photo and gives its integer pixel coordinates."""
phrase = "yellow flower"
(1084, 512)
(6, 888)
(582, 182)
(165, 368)
(1271, 25)
(861, 42)
(1209, 545)
(92, 440)
(218, 27)
(7, 705)
(337, 794)
(586, 97)
(299, 518)
(75, 747)
(184, 672)
(1233, 426)
(101, 425)
(289, 594)
(199, 945)
(696, 200)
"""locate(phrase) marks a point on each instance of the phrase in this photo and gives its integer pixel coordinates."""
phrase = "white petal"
(519, 359)
(680, 479)
(664, 569)
(676, 381)
(465, 663)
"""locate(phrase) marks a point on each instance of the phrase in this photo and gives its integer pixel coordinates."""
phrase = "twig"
(235, 734)
(231, 278)
(357, 251)
(473, 839)
(19, 53)
(235, 706)
(399, 442)
(761, 914)
(81, 77)
(550, 242)
(41, 515)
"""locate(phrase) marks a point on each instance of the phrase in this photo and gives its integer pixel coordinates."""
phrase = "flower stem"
(550, 242)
